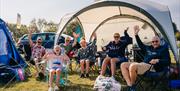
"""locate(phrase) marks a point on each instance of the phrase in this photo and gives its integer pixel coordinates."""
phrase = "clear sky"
(55, 9)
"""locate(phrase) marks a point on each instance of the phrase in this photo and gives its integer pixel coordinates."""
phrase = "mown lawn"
(75, 83)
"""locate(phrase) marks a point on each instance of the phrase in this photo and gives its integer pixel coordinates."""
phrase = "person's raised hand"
(126, 29)
(136, 29)
(31, 29)
(75, 35)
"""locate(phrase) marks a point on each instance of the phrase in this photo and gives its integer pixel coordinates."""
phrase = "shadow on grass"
(73, 72)
(93, 77)
(11, 84)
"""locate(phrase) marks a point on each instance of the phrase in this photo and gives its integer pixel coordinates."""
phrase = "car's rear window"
(34, 37)
(44, 36)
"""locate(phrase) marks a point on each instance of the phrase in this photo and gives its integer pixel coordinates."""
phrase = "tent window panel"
(95, 16)
(129, 11)
(3, 43)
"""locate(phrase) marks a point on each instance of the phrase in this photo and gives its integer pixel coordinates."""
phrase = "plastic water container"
(175, 84)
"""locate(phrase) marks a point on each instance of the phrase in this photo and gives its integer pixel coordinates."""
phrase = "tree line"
(41, 25)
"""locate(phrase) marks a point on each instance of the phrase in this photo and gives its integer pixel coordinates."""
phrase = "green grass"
(75, 83)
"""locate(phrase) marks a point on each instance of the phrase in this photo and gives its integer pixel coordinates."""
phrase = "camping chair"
(63, 76)
(127, 55)
(102, 55)
(27, 52)
(154, 78)
(92, 64)
(92, 67)
(9, 74)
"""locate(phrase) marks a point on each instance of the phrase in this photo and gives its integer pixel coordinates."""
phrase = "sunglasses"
(116, 37)
(57, 50)
(39, 42)
(155, 41)
(67, 40)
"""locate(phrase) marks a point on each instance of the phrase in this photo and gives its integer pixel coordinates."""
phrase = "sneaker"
(87, 75)
(100, 77)
(50, 89)
(113, 78)
(82, 76)
(56, 88)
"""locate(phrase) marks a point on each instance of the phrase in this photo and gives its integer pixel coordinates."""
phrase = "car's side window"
(51, 37)
(33, 37)
(43, 36)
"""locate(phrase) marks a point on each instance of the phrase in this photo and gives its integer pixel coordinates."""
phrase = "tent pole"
(178, 63)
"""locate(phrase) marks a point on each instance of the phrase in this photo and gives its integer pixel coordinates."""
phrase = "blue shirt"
(118, 50)
(161, 53)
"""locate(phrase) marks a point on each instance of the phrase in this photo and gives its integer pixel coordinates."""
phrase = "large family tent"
(10, 59)
(111, 12)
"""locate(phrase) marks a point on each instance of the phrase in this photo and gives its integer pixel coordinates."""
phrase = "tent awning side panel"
(156, 13)
(91, 18)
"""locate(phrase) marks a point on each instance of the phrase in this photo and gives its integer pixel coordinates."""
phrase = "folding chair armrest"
(42, 62)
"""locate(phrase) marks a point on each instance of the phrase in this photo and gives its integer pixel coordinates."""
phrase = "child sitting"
(55, 61)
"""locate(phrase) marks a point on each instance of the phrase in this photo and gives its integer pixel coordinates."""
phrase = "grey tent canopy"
(92, 17)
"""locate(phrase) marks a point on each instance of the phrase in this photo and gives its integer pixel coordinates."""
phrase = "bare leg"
(133, 72)
(105, 62)
(113, 65)
(87, 66)
(82, 66)
(51, 77)
(44, 68)
(125, 72)
(58, 72)
(36, 65)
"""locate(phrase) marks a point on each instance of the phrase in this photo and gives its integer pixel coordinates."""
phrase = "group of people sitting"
(155, 54)
(61, 55)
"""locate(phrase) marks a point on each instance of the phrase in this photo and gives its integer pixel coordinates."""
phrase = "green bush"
(178, 36)
(178, 45)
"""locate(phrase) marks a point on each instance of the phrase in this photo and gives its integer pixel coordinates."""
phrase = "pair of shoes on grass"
(40, 76)
(56, 88)
(83, 76)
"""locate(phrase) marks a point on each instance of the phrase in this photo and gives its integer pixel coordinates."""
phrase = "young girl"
(55, 61)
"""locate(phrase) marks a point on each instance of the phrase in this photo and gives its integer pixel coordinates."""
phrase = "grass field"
(75, 83)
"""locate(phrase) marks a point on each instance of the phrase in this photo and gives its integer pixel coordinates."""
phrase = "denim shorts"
(55, 69)
(122, 59)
